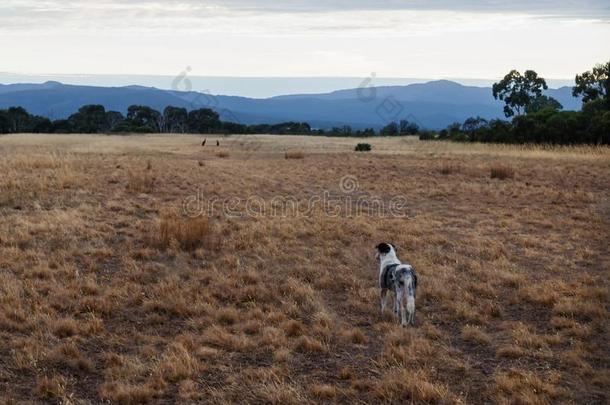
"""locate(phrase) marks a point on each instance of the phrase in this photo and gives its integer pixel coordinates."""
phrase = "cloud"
(289, 17)
(590, 9)
(599, 9)
(302, 38)
(566, 8)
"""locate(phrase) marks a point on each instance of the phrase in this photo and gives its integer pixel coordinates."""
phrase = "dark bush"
(427, 136)
(363, 147)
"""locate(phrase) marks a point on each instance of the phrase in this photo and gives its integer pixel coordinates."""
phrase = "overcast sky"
(393, 38)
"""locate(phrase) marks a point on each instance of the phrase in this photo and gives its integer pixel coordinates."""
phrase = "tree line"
(93, 119)
(536, 118)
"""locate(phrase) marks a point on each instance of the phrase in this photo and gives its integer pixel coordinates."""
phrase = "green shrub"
(363, 147)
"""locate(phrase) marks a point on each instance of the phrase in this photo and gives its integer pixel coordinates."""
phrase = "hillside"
(432, 105)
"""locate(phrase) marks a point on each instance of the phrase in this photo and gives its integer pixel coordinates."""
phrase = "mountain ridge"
(433, 104)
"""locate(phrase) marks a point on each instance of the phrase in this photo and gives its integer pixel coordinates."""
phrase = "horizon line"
(268, 77)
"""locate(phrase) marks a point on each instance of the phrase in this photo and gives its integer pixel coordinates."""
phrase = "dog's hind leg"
(397, 303)
(383, 296)
(410, 298)
(400, 306)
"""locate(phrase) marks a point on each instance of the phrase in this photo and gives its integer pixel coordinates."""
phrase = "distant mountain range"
(432, 105)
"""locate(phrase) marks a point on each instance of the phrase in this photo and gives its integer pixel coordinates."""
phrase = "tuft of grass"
(219, 337)
(510, 352)
(126, 393)
(141, 182)
(355, 336)
(189, 391)
(50, 388)
(294, 328)
(178, 364)
(475, 335)
(279, 393)
(68, 355)
(228, 316)
(346, 373)
(570, 327)
(65, 328)
(524, 387)
(294, 155)
(187, 233)
(282, 356)
(222, 154)
(402, 383)
(307, 344)
(324, 391)
(502, 171)
(449, 168)
(580, 309)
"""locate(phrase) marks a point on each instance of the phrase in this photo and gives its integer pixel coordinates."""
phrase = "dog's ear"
(383, 248)
(395, 249)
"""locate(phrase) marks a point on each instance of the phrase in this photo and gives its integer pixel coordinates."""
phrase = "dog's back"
(405, 274)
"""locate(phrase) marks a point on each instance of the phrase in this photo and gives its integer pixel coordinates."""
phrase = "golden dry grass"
(294, 154)
(502, 171)
(110, 291)
(449, 168)
(186, 233)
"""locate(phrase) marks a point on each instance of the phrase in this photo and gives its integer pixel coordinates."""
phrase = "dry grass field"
(110, 293)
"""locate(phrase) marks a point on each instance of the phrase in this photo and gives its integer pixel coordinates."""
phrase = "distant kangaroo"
(203, 143)
(217, 143)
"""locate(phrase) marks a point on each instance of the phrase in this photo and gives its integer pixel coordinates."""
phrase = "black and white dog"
(400, 278)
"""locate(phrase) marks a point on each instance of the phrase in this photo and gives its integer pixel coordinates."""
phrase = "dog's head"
(384, 249)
